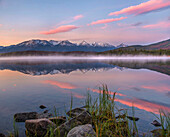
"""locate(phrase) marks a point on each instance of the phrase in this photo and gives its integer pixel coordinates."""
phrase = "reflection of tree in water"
(55, 67)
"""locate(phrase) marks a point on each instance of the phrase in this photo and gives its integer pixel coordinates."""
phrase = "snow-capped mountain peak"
(84, 43)
(53, 42)
(33, 42)
(122, 45)
(65, 43)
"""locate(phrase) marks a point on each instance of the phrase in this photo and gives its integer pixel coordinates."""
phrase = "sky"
(111, 21)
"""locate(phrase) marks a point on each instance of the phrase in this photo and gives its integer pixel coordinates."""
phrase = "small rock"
(133, 118)
(42, 106)
(156, 123)
(58, 120)
(44, 115)
(75, 112)
(39, 126)
(82, 131)
(2, 135)
(46, 111)
(121, 116)
(22, 117)
(81, 119)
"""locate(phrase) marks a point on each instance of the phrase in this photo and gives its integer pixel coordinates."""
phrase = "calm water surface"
(26, 84)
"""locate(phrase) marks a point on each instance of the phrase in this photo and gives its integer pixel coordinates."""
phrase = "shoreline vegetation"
(116, 52)
(99, 117)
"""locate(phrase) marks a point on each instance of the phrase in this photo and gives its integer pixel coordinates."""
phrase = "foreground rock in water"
(2, 135)
(43, 115)
(75, 112)
(22, 117)
(133, 118)
(42, 106)
(81, 119)
(38, 126)
(82, 131)
(156, 123)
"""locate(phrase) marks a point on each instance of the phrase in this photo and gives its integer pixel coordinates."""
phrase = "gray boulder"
(58, 120)
(75, 112)
(82, 131)
(22, 117)
(43, 115)
(81, 119)
(38, 127)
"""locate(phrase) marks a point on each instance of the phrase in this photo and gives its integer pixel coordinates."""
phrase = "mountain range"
(46, 47)
(58, 46)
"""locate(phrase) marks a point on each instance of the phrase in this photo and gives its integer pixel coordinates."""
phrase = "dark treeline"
(136, 52)
(120, 51)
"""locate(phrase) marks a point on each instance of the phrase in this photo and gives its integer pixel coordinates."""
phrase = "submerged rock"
(46, 111)
(156, 123)
(2, 135)
(81, 119)
(22, 117)
(82, 131)
(58, 120)
(38, 126)
(75, 112)
(42, 106)
(133, 118)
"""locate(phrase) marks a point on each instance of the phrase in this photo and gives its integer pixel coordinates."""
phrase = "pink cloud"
(70, 20)
(104, 21)
(60, 84)
(0, 25)
(162, 24)
(78, 17)
(145, 7)
(60, 29)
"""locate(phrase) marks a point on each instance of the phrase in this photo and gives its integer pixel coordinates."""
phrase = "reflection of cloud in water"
(110, 92)
(64, 85)
(159, 88)
(144, 104)
(60, 84)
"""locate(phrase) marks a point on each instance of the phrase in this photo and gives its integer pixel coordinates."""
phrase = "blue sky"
(89, 20)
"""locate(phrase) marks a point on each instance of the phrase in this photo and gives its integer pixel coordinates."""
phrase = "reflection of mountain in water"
(55, 67)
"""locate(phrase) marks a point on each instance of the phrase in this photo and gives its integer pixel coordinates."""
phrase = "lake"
(25, 84)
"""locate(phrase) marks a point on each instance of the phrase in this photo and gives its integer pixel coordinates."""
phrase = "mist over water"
(34, 58)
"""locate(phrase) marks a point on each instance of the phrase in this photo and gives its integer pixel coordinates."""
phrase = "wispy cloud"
(71, 20)
(78, 17)
(60, 29)
(146, 7)
(0, 25)
(163, 24)
(130, 25)
(104, 21)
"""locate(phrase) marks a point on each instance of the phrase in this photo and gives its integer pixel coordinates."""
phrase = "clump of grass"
(164, 118)
(103, 111)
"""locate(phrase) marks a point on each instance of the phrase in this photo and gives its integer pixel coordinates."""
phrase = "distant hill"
(159, 48)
